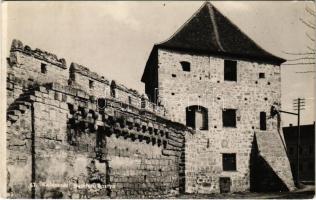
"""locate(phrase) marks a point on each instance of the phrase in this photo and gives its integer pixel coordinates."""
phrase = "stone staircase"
(272, 149)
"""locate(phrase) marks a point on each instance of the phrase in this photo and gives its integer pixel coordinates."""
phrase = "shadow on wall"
(262, 176)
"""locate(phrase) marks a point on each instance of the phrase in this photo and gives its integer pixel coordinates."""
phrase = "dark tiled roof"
(208, 31)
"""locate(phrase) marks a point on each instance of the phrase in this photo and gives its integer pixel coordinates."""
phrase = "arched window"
(197, 117)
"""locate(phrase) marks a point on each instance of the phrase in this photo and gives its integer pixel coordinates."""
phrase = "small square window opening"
(186, 66)
(229, 161)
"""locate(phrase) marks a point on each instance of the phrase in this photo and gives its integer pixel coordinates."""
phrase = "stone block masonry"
(82, 77)
(62, 143)
(204, 86)
(75, 134)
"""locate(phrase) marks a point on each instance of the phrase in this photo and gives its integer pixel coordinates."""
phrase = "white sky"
(115, 38)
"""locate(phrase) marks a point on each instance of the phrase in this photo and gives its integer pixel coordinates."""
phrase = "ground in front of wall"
(307, 192)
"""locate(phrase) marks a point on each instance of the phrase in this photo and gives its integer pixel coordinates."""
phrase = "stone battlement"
(17, 45)
(25, 71)
(128, 90)
(74, 67)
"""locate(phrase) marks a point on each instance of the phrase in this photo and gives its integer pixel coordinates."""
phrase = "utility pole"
(298, 105)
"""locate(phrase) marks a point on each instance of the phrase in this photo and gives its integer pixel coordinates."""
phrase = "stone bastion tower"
(212, 77)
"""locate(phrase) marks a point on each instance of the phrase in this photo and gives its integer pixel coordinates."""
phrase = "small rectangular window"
(143, 103)
(112, 89)
(230, 70)
(261, 75)
(173, 75)
(186, 66)
(43, 68)
(229, 161)
(91, 84)
(229, 117)
(129, 99)
(263, 121)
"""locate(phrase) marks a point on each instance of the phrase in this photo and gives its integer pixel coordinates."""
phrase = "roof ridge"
(240, 30)
(185, 23)
(212, 17)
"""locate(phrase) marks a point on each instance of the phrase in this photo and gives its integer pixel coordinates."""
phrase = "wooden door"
(224, 184)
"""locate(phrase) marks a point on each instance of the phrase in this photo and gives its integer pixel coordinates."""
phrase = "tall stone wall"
(111, 152)
(141, 170)
(63, 144)
(204, 85)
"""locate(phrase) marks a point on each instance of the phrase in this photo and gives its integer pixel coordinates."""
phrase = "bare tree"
(307, 57)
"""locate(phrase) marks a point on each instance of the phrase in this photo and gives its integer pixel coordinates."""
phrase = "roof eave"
(261, 59)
